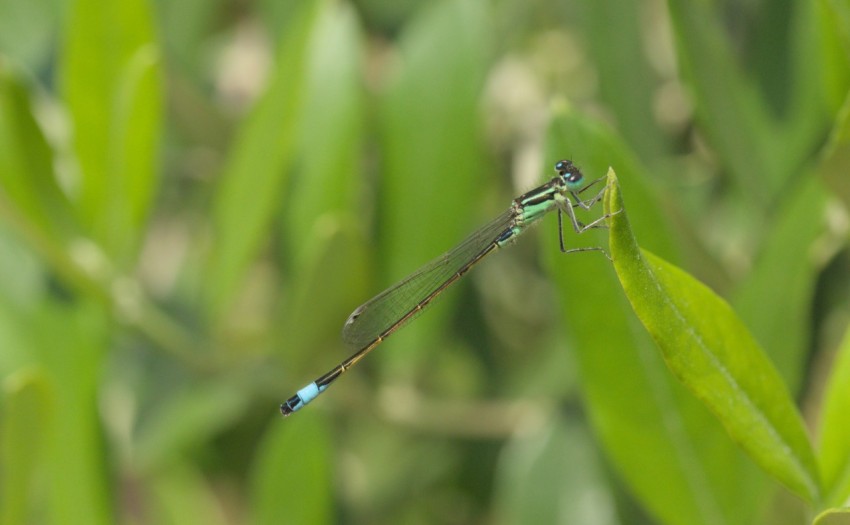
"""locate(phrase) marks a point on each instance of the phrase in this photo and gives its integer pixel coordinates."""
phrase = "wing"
(380, 313)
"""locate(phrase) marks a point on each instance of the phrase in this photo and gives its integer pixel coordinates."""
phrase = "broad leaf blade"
(258, 164)
(327, 176)
(111, 83)
(711, 352)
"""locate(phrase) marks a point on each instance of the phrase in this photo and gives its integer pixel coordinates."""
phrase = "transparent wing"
(374, 317)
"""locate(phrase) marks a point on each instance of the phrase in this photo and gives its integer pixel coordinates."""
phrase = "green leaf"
(259, 161)
(111, 83)
(835, 157)
(686, 461)
(834, 450)
(711, 352)
(833, 517)
(291, 476)
(27, 410)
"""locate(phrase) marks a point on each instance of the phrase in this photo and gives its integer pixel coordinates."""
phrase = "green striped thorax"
(533, 205)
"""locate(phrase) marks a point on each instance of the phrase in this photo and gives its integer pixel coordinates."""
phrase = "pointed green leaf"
(834, 450)
(713, 354)
(684, 462)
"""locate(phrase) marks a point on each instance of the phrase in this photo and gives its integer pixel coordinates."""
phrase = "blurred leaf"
(835, 156)
(432, 146)
(27, 410)
(187, 420)
(815, 73)
(835, 431)
(26, 171)
(331, 129)
(552, 476)
(186, 28)
(839, 12)
(111, 83)
(775, 297)
(612, 31)
(183, 496)
(258, 163)
(688, 471)
(70, 344)
(731, 112)
(291, 477)
(713, 354)
(833, 517)
(28, 29)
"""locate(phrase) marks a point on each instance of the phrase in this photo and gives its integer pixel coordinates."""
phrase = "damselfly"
(371, 323)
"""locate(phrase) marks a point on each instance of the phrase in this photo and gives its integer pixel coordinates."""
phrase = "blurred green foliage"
(194, 194)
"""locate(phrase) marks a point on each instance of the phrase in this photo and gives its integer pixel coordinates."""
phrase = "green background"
(194, 194)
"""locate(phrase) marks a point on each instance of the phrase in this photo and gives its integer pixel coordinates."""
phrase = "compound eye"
(562, 166)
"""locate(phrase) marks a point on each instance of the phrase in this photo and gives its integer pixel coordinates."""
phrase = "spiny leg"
(580, 228)
(577, 225)
(586, 204)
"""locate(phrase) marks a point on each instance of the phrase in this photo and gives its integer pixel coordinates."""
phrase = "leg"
(579, 227)
(586, 204)
(589, 249)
